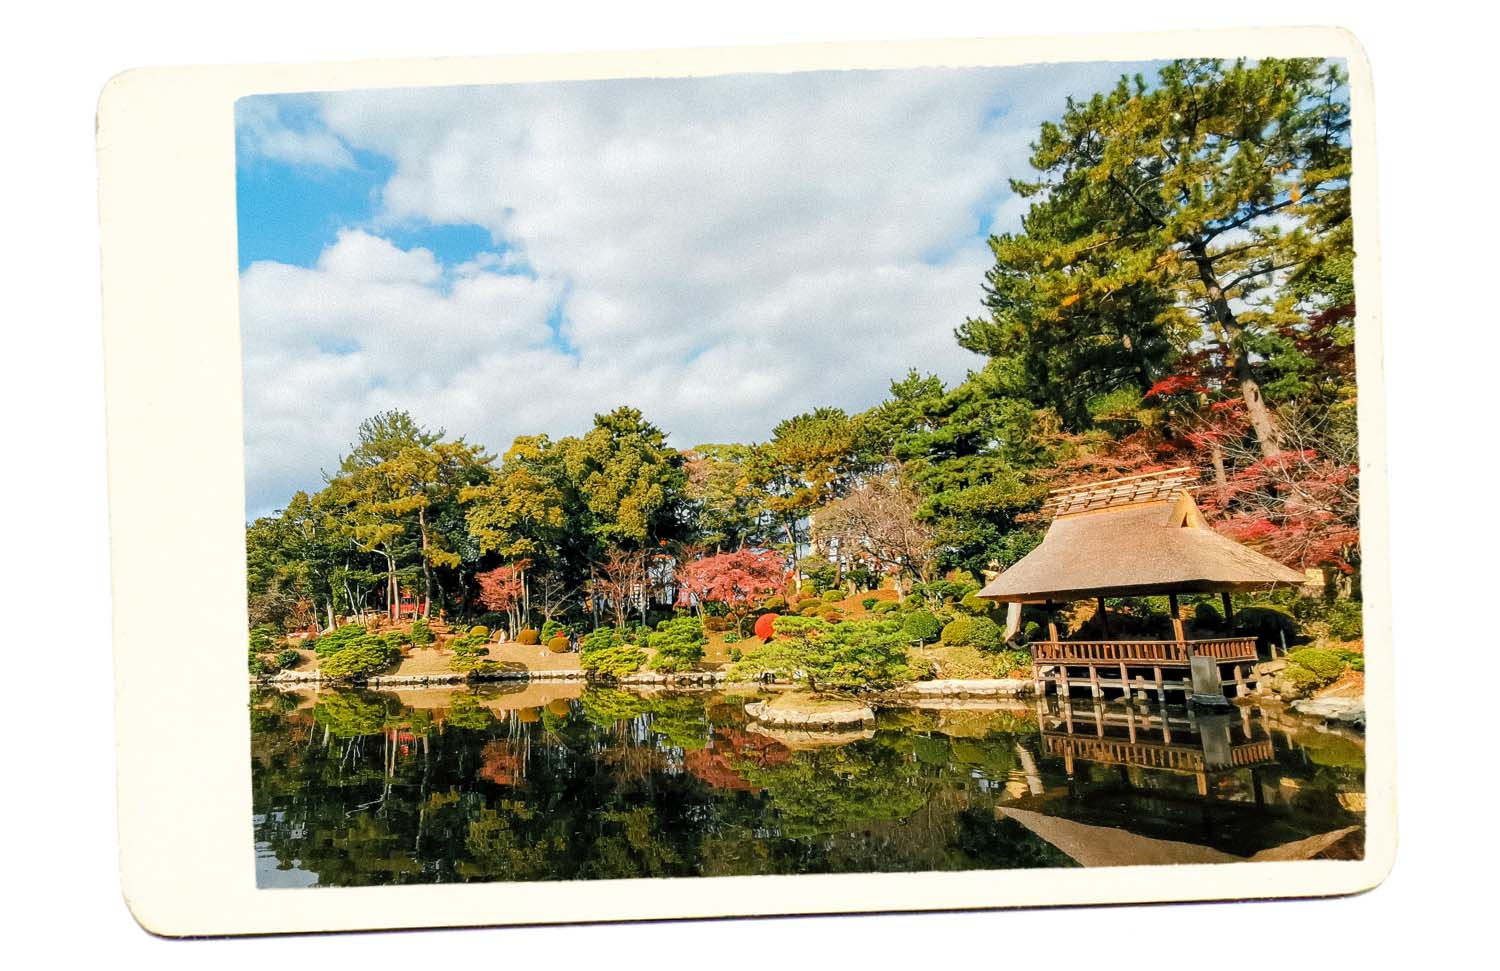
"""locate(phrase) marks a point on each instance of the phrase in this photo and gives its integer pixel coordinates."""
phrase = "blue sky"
(719, 252)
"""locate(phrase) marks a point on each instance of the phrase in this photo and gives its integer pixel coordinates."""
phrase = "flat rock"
(1348, 710)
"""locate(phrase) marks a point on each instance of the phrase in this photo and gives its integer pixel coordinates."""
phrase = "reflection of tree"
(826, 790)
(668, 785)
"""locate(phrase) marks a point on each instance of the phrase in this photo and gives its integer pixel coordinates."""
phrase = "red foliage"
(1176, 384)
(498, 763)
(765, 626)
(733, 579)
(730, 750)
(502, 588)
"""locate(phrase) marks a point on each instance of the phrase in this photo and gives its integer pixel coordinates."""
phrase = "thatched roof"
(1134, 537)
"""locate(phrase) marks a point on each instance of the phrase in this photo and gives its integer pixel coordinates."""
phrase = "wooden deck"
(1139, 666)
(1166, 653)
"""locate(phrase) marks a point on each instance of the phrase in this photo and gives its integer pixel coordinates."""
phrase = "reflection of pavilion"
(1126, 801)
(1199, 743)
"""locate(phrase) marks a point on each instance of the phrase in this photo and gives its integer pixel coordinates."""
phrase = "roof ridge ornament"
(1127, 490)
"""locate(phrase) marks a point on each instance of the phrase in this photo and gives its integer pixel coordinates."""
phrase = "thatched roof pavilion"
(1136, 536)
(1133, 537)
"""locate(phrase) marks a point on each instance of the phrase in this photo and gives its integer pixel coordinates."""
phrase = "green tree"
(855, 655)
(1214, 184)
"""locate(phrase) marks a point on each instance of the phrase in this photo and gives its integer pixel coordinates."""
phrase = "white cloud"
(263, 131)
(726, 252)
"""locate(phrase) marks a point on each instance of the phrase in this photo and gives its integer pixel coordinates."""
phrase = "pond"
(557, 781)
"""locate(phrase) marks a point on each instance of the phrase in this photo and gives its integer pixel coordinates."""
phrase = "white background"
(1434, 87)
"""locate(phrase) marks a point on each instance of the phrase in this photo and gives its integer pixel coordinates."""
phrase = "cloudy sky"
(721, 253)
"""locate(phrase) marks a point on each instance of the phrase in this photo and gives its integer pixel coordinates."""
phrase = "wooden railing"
(1151, 755)
(1143, 652)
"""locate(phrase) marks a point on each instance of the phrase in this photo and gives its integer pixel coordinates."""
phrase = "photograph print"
(817, 472)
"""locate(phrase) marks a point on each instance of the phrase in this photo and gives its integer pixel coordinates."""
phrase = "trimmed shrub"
(263, 639)
(735, 654)
(287, 658)
(833, 596)
(338, 639)
(604, 653)
(774, 604)
(1346, 620)
(678, 644)
(558, 645)
(421, 633)
(367, 654)
(810, 608)
(885, 606)
(1032, 631)
(479, 632)
(921, 626)
(528, 636)
(980, 632)
(1207, 616)
(869, 602)
(1326, 665)
(731, 638)
(831, 614)
(717, 624)
(765, 626)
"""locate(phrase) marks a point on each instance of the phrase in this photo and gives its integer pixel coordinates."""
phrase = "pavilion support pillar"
(1176, 612)
(1103, 619)
(1228, 602)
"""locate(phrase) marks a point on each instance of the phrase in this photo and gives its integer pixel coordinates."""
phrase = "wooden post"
(1130, 722)
(1104, 619)
(1176, 618)
(1124, 681)
(1228, 609)
(1094, 682)
(1161, 689)
(1239, 682)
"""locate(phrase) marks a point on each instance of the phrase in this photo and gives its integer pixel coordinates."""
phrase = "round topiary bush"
(479, 632)
(885, 606)
(869, 602)
(557, 645)
(980, 632)
(529, 636)
(833, 596)
(1032, 631)
(922, 626)
(831, 614)
(774, 603)
(765, 626)
(1207, 616)
(810, 608)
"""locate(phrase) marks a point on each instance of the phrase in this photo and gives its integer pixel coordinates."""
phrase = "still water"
(561, 782)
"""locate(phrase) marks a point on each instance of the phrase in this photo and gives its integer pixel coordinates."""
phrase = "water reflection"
(553, 781)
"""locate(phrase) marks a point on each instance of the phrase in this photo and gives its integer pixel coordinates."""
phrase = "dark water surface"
(555, 782)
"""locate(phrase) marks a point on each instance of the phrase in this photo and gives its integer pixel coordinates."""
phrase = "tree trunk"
(426, 566)
(1267, 434)
(1221, 481)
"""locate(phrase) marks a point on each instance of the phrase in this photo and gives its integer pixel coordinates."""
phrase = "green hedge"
(980, 632)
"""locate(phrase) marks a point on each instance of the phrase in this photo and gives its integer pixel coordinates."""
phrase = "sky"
(722, 253)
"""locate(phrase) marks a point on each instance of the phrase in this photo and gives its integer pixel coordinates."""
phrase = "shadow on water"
(554, 781)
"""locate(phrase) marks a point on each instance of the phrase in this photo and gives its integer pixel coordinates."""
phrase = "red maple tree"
(736, 580)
